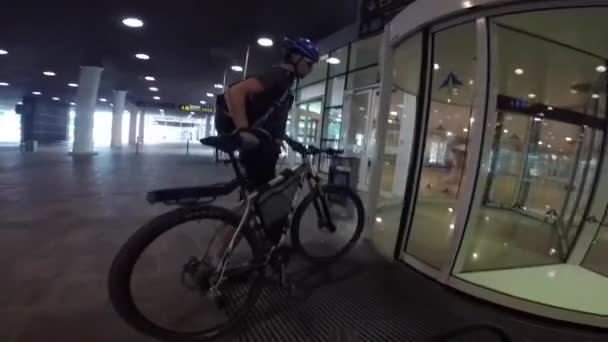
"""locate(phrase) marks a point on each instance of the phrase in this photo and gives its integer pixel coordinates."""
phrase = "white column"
(386, 88)
(208, 126)
(117, 112)
(142, 121)
(133, 126)
(86, 99)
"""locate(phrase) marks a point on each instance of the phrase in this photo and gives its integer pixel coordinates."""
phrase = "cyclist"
(248, 102)
(263, 101)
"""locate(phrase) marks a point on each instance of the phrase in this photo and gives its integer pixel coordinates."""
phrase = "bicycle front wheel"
(328, 223)
(161, 284)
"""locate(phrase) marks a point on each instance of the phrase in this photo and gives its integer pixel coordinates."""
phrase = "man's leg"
(260, 167)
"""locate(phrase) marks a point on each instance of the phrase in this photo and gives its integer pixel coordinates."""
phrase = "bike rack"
(471, 328)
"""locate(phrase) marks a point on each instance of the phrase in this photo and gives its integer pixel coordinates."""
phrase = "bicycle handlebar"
(310, 150)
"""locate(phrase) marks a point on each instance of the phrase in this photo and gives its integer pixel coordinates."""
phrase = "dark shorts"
(260, 163)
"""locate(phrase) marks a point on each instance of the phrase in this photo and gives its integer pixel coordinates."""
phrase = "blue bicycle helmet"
(303, 47)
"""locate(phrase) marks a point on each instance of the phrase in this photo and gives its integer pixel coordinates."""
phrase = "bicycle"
(231, 287)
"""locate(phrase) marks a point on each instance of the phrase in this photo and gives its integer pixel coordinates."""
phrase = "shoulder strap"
(271, 109)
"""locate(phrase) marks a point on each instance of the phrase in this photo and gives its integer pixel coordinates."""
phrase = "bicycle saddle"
(224, 143)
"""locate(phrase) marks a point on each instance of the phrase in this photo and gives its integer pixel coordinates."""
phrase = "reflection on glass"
(445, 144)
(363, 78)
(398, 143)
(364, 52)
(545, 147)
(308, 119)
(339, 60)
(597, 257)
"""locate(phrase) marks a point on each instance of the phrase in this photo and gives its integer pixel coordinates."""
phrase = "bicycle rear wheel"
(159, 284)
(321, 240)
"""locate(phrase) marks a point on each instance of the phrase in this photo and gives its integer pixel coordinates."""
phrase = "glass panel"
(364, 53)
(399, 143)
(336, 91)
(597, 257)
(439, 187)
(545, 150)
(308, 118)
(356, 108)
(363, 78)
(318, 73)
(337, 62)
(309, 92)
(331, 134)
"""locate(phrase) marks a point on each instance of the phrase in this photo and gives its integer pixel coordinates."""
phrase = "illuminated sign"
(196, 108)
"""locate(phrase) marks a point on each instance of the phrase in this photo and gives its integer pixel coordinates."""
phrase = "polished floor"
(549, 285)
(62, 219)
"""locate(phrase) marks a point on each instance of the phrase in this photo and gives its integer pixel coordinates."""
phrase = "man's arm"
(236, 97)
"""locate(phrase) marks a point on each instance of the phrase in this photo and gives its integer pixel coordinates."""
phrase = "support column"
(133, 126)
(142, 121)
(117, 112)
(86, 99)
(208, 126)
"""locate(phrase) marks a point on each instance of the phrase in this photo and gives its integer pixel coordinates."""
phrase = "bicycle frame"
(306, 174)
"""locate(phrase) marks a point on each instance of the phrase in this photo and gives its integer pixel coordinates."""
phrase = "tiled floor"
(63, 219)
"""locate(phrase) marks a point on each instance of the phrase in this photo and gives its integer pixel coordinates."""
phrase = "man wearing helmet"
(257, 109)
(248, 101)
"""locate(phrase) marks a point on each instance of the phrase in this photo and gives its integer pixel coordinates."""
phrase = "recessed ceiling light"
(56, 99)
(467, 4)
(394, 113)
(573, 91)
(103, 99)
(156, 98)
(19, 103)
(73, 85)
(568, 139)
(595, 96)
(519, 71)
(218, 86)
(153, 89)
(436, 66)
(142, 56)
(72, 103)
(532, 95)
(471, 82)
(37, 93)
(4, 84)
(538, 119)
(333, 60)
(3, 52)
(203, 102)
(449, 100)
(210, 95)
(150, 78)
(449, 134)
(265, 42)
(466, 130)
(550, 108)
(601, 68)
(540, 142)
(49, 73)
(237, 68)
(506, 131)
(133, 22)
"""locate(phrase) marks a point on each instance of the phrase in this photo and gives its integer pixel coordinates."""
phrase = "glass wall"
(510, 201)
(545, 150)
(332, 83)
(445, 145)
(399, 141)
